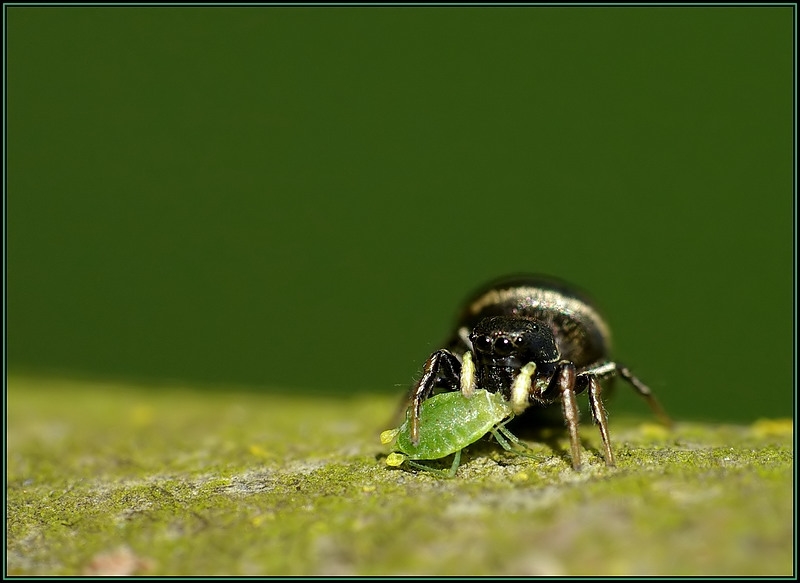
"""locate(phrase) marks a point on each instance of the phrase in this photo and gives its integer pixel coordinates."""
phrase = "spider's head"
(513, 342)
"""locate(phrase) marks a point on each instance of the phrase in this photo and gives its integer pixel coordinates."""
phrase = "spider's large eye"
(482, 343)
(503, 346)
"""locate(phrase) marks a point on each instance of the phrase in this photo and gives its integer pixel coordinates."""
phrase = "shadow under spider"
(547, 426)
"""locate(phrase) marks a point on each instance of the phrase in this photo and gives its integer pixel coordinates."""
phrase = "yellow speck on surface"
(520, 477)
(257, 451)
(395, 459)
(388, 436)
(654, 431)
(369, 488)
(142, 415)
(262, 518)
(773, 427)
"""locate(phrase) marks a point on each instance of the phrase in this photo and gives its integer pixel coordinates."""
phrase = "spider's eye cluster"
(501, 346)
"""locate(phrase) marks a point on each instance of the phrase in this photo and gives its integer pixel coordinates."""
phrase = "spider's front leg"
(441, 370)
(562, 386)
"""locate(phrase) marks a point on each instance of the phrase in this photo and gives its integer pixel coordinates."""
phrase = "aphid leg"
(442, 369)
(441, 473)
(505, 438)
(456, 463)
(564, 378)
(598, 414)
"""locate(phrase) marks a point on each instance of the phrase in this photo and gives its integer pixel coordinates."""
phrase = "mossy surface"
(109, 478)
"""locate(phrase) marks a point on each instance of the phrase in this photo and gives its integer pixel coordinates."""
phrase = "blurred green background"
(299, 198)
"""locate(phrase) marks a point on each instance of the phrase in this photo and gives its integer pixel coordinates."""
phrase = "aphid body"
(449, 422)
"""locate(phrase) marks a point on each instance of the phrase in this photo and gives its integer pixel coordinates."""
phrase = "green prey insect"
(451, 421)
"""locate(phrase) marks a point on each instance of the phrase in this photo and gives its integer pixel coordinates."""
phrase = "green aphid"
(448, 423)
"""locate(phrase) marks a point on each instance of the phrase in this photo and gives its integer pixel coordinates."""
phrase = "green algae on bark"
(108, 478)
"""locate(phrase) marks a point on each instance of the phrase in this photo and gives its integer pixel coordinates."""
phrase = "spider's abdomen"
(581, 334)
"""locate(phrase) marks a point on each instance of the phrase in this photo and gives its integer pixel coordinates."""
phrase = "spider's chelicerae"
(537, 341)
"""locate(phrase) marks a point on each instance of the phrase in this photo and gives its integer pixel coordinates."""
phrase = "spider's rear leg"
(645, 392)
(610, 369)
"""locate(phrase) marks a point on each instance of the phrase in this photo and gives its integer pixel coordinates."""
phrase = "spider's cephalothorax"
(537, 341)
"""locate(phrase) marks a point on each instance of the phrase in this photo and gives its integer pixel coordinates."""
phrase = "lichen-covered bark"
(120, 479)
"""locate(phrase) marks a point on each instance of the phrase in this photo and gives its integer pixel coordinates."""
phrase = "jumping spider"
(537, 341)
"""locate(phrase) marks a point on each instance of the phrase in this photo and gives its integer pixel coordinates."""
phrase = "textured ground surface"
(119, 479)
